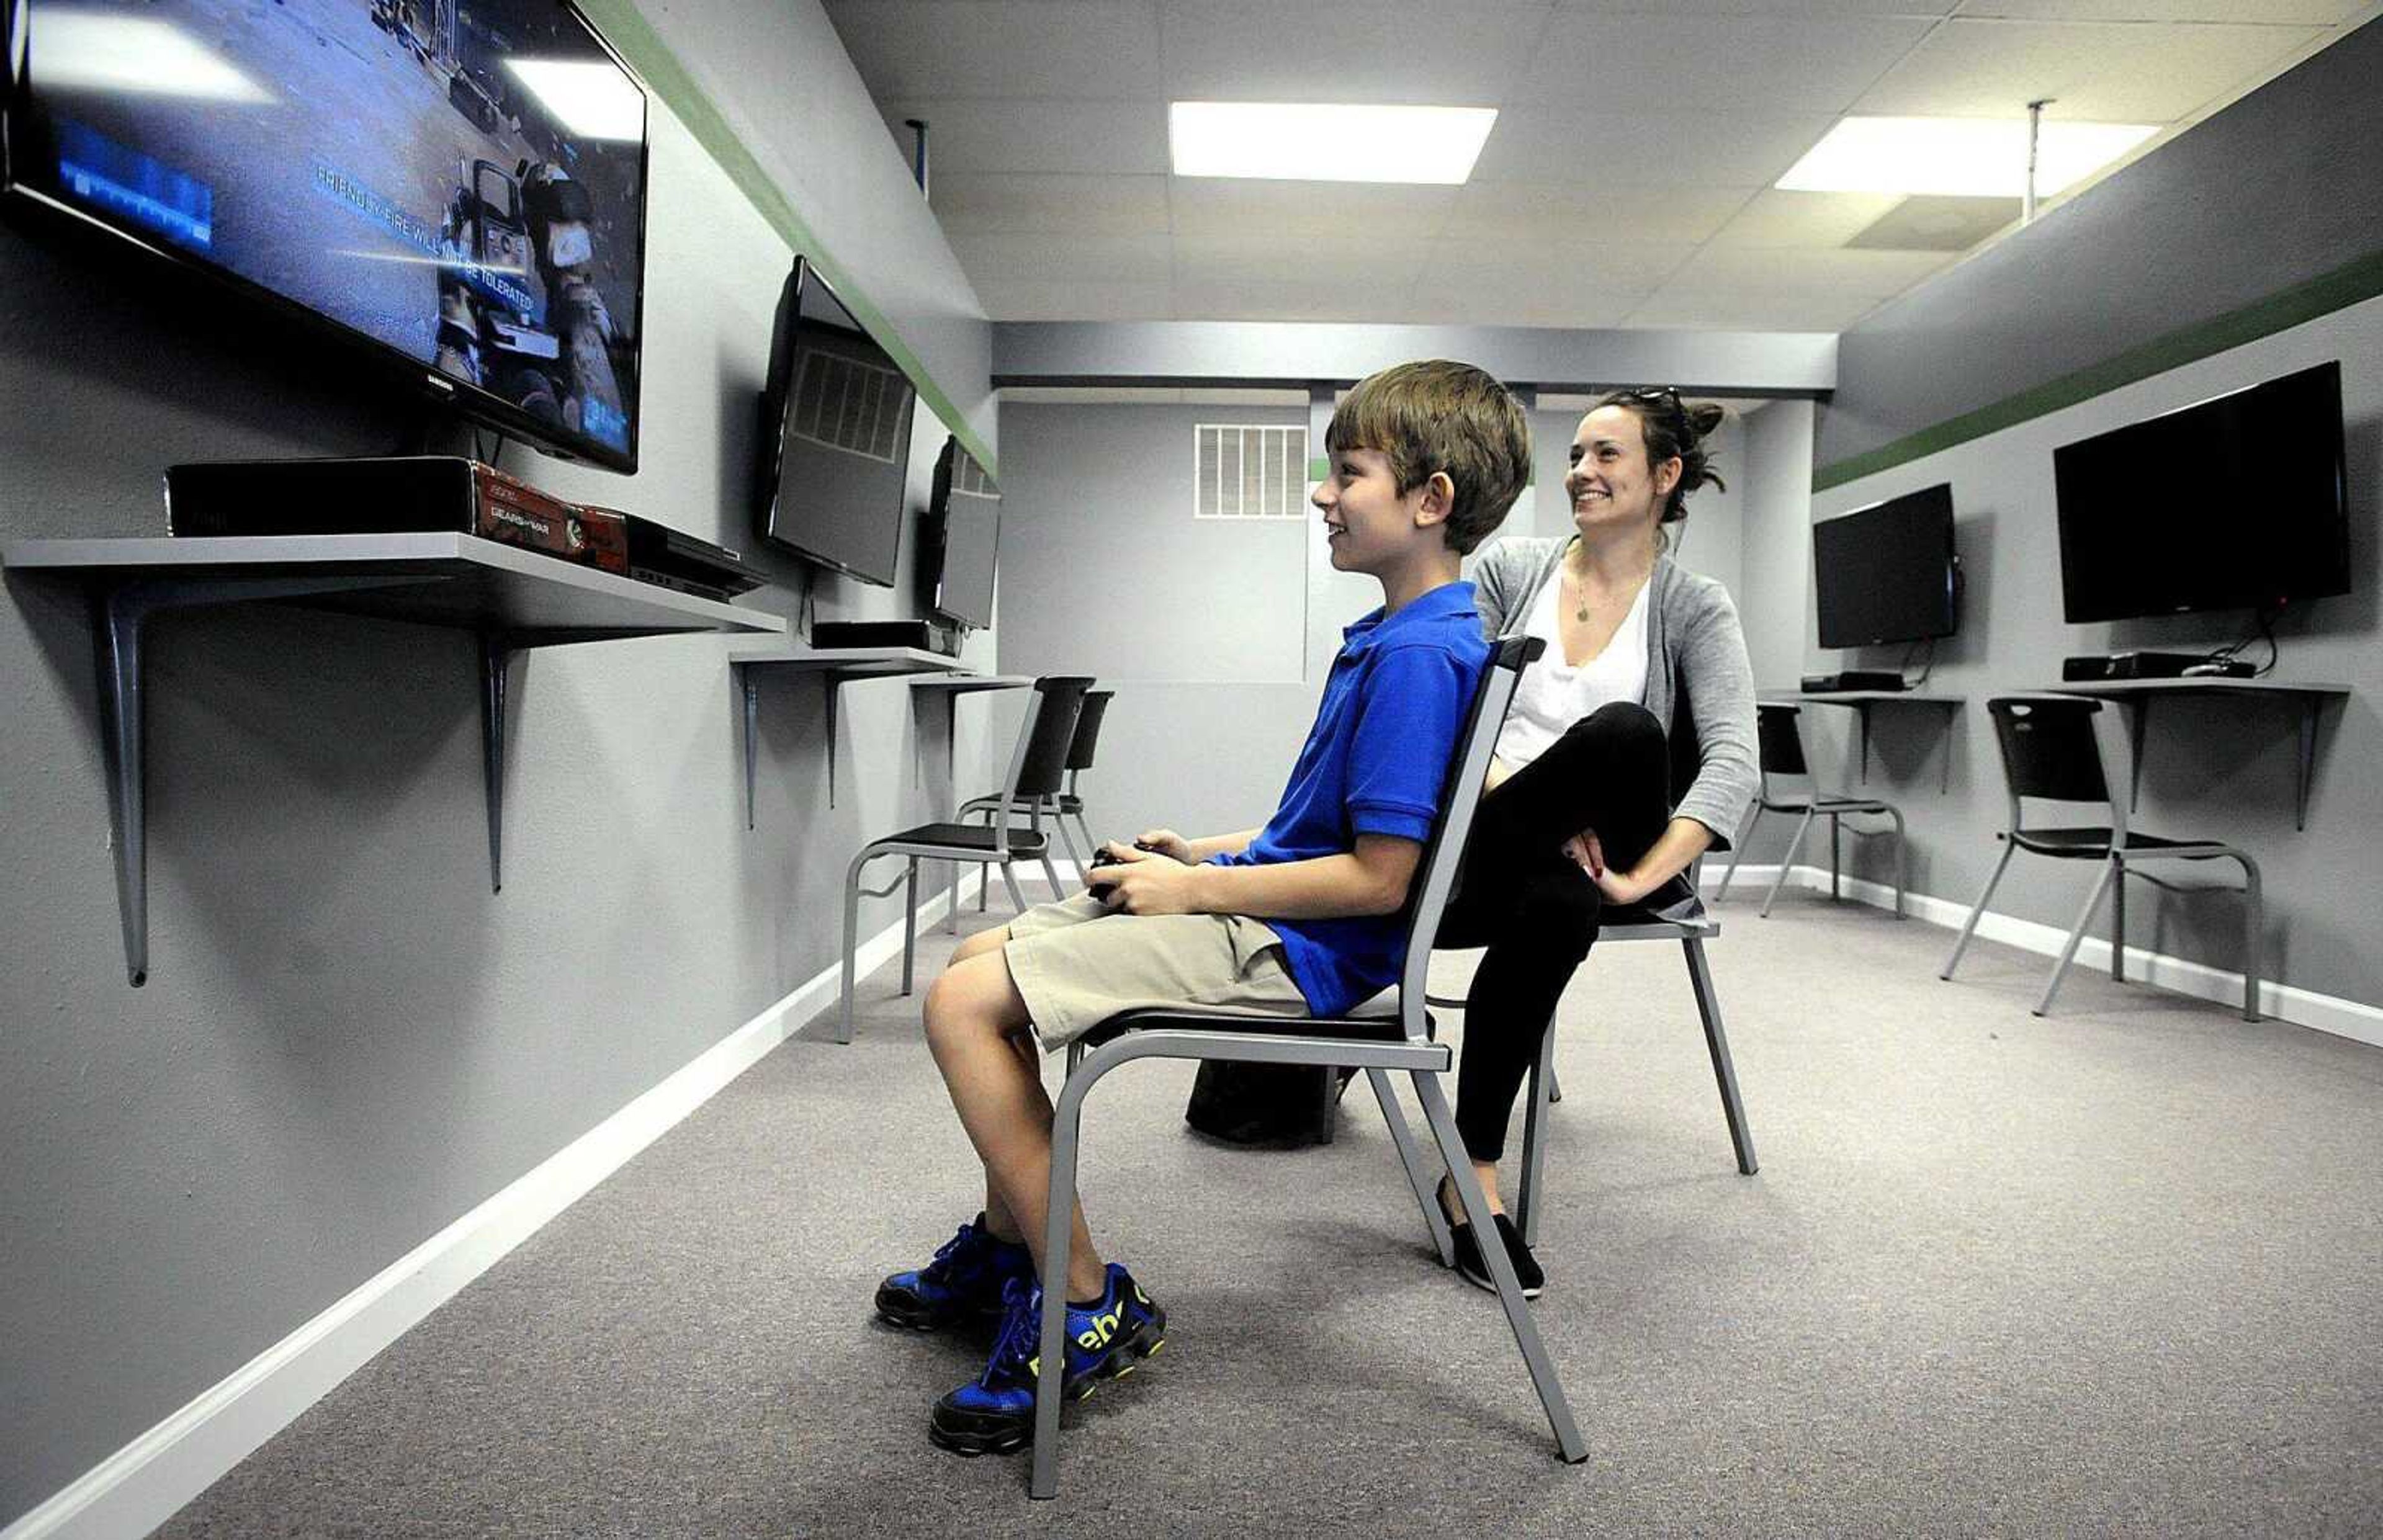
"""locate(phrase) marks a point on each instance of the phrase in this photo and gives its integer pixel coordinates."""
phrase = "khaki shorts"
(1076, 964)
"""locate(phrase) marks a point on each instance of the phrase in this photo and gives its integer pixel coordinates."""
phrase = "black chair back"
(1088, 729)
(1775, 736)
(2048, 747)
(1059, 699)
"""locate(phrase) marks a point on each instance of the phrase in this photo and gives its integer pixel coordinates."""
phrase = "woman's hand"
(1617, 887)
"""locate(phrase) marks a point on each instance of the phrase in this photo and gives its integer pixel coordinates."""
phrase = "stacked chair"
(1788, 786)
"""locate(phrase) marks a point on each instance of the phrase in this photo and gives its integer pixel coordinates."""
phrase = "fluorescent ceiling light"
(591, 101)
(1294, 142)
(93, 51)
(1974, 157)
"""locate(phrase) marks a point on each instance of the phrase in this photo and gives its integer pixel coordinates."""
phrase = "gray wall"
(1774, 601)
(2279, 188)
(347, 1042)
(2209, 771)
(1215, 690)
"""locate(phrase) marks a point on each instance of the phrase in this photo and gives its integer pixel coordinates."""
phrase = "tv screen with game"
(460, 189)
(836, 430)
(967, 509)
(2238, 502)
(1887, 573)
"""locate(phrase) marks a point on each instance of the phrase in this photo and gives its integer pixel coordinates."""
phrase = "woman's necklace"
(1579, 598)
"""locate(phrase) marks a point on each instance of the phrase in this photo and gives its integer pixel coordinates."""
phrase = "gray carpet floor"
(2117, 1272)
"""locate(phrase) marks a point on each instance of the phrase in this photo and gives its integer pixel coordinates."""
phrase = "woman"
(1629, 750)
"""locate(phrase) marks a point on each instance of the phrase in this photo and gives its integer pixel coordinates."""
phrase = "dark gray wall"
(2279, 188)
(2209, 771)
(1217, 651)
(347, 1042)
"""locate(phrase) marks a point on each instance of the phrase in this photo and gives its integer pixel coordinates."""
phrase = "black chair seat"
(1359, 1029)
(970, 837)
(2091, 844)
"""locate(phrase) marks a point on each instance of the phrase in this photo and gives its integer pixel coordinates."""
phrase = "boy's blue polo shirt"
(1374, 763)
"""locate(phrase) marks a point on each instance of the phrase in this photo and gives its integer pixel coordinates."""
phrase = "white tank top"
(1551, 697)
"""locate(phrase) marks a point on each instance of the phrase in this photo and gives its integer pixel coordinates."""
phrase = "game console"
(389, 495)
(2097, 667)
(918, 634)
(1853, 679)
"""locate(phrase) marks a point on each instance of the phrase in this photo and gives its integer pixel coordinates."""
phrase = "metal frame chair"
(1780, 735)
(1063, 805)
(2051, 754)
(1377, 1044)
(1544, 1091)
(1034, 772)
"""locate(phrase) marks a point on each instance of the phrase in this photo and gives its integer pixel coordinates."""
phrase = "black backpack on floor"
(1283, 1104)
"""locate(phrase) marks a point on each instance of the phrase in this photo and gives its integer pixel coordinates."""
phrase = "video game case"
(393, 495)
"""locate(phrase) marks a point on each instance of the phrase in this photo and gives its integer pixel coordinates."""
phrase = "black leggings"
(1532, 908)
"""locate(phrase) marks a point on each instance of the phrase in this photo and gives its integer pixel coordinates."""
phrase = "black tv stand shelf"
(1862, 700)
(838, 667)
(2135, 695)
(514, 599)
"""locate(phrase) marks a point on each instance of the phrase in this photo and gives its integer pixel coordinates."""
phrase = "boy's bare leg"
(997, 1217)
(974, 1020)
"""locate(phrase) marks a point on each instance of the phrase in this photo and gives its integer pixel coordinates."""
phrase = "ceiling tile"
(2314, 13)
(1296, 258)
(1000, 47)
(1701, 149)
(1388, 51)
(2094, 71)
(1498, 284)
(1197, 298)
(1064, 136)
(1024, 258)
(1787, 269)
(1572, 211)
(1358, 212)
(1061, 205)
(1816, 219)
(1668, 65)
(1765, 8)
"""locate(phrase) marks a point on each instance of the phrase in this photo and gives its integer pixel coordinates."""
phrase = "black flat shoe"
(1469, 1261)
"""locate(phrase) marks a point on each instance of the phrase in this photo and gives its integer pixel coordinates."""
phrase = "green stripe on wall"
(2345, 286)
(628, 32)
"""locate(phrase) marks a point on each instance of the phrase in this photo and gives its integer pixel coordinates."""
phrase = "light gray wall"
(2278, 188)
(347, 1042)
(1774, 602)
(2210, 770)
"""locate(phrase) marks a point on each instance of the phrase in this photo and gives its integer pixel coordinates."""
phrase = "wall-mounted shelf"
(1862, 700)
(2136, 697)
(512, 599)
(838, 667)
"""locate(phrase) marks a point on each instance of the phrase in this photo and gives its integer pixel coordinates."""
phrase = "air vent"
(1249, 472)
(847, 405)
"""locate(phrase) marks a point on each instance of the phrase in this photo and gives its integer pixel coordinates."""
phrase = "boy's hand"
(1138, 883)
(1167, 843)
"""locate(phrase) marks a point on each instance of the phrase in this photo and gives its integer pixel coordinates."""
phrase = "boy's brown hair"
(1434, 415)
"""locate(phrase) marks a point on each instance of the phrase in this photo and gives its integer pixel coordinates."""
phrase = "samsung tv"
(2238, 502)
(967, 510)
(836, 432)
(458, 191)
(1887, 572)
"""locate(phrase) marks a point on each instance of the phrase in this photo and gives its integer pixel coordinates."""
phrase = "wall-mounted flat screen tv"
(836, 425)
(1887, 572)
(967, 509)
(2238, 502)
(460, 188)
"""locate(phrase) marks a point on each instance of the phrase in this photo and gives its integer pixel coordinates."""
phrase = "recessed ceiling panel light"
(1969, 157)
(1301, 142)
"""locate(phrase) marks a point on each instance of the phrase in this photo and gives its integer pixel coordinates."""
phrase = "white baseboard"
(2326, 1013)
(142, 1484)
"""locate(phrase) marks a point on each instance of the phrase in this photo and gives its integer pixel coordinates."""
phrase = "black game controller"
(1101, 858)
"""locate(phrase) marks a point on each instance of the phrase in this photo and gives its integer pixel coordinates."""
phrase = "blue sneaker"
(966, 1283)
(995, 1412)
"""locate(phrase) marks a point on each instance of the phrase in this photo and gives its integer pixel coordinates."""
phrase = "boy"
(1425, 459)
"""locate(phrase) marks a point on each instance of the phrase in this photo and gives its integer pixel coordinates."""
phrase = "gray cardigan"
(1698, 676)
